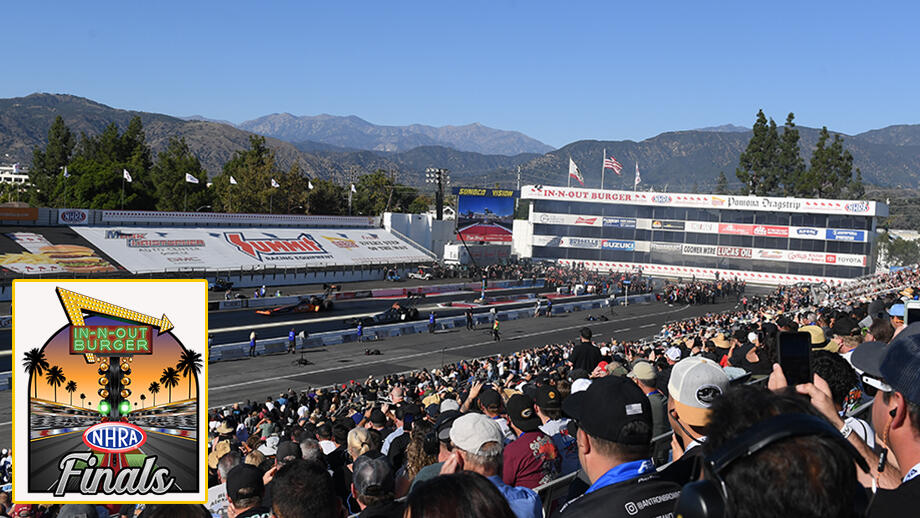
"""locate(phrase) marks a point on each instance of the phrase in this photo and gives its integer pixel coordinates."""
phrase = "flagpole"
(122, 192)
(604, 159)
(636, 182)
(185, 203)
(570, 172)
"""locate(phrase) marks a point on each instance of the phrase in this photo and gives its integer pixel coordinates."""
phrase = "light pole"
(441, 177)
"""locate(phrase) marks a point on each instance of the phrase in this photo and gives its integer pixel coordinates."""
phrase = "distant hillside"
(354, 132)
(888, 157)
(725, 128)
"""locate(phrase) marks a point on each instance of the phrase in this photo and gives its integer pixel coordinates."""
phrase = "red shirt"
(530, 460)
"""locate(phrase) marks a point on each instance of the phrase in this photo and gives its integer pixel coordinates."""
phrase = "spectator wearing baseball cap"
(695, 384)
(896, 314)
(476, 443)
(531, 459)
(894, 371)
(645, 375)
(549, 410)
(491, 405)
(612, 422)
(244, 493)
(374, 488)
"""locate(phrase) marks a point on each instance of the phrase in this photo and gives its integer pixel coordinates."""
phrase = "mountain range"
(337, 147)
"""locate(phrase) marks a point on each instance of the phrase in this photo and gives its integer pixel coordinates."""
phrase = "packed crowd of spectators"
(477, 437)
(698, 420)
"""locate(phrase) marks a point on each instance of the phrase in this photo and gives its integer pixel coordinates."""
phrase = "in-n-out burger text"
(547, 192)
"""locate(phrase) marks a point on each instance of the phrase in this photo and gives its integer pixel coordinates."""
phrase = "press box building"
(759, 239)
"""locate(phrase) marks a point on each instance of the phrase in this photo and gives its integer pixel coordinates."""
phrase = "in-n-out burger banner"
(157, 248)
(687, 272)
(759, 203)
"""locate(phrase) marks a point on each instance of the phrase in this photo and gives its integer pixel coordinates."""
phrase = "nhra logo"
(73, 216)
(256, 248)
(661, 198)
(806, 232)
(342, 241)
(114, 437)
(858, 206)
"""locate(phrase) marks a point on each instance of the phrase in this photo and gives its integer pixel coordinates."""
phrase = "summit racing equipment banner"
(141, 249)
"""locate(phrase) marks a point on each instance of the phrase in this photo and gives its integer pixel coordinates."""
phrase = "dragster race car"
(306, 304)
(398, 312)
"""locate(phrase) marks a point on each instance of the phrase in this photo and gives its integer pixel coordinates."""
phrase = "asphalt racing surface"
(256, 378)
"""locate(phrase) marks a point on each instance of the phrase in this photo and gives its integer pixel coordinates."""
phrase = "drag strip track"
(255, 378)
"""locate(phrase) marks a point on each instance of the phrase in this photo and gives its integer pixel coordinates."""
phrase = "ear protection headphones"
(709, 498)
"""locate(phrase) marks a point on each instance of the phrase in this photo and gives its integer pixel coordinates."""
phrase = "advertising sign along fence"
(156, 249)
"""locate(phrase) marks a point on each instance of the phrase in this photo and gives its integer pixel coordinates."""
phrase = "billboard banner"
(806, 232)
(485, 214)
(736, 229)
(703, 227)
(756, 203)
(73, 217)
(667, 224)
(770, 231)
(618, 244)
(666, 248)
(707, 250)
(834, 234)
(157, 248)
(620, 222)
(734, 252)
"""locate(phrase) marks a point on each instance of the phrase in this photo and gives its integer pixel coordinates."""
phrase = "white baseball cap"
(694, 384)
(469, 432)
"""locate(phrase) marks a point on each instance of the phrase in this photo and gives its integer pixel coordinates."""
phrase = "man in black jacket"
(612, 424)
(585, 355)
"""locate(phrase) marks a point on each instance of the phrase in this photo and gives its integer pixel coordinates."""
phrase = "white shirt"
(862, 429)
(553, 427)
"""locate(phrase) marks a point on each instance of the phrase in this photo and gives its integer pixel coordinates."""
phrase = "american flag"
(611, 163)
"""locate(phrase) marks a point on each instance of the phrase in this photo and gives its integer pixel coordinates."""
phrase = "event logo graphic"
(857, 206)
(257, 248)
(111, 406)
(341, 241)
(661, 198)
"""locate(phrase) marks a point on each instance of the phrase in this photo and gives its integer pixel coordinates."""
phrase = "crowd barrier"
(239, 350)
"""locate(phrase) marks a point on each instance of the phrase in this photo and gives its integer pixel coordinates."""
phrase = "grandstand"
(758, 239)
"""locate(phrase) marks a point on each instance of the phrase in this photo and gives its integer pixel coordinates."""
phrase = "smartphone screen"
(912, 314)
(795, 357)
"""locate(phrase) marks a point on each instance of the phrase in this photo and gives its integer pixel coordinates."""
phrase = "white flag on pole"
(353, 189)
(66, 174)
(232, 181)
(573, 172)
(126, 175)
(16, 168)
(309, 185)
(275, 184)
(190, 179)
(638, 178)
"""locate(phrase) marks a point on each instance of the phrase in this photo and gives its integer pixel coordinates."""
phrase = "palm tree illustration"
(154, 388)
(55, 378)
(82, 400)
(36, 365)
(71, 387)
(170, 379)
(189, 365)
(143, 398)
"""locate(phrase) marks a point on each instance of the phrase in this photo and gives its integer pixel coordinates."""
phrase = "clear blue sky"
(557, 71)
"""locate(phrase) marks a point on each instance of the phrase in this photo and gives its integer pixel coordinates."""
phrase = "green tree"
(831, 173)
(169, 379)
(790, 165)
(291, 196)
(757, 166)
(36, 364)
(55, 377)
(96, 170)
(46, 174)
(327, 198)
(420, 204)
(897, 251)
(253, 170)
(168, 174)
(722, 184)
(71, 387)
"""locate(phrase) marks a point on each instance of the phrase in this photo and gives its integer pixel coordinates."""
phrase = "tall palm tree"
(189, 365)
(71, 387)
(143, 398)
(36, 365)
(82, 400)
(170, 379)
(55, 378)
(154, 389)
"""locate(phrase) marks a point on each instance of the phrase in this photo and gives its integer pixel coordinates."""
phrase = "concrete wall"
(424, 229)
(522, 238)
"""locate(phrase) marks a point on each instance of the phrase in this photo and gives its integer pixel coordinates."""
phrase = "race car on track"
(306, 304)
(403, 311)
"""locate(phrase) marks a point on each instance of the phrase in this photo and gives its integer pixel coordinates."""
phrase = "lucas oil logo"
(109, 399)
(273, 246)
